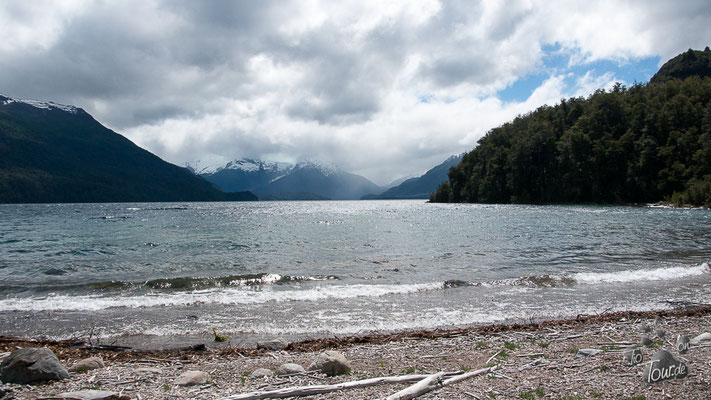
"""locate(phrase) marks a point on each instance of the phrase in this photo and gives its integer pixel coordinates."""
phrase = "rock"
(701, 338)
(32, 364)
(661, 333)
(645, 328)
(91, 395)
(582, 353)
(87, 364)
(632, 356)
(664, 366)
(261, 373)
(682, 344)
(290, 369)
(273, 345)
(331, 363)
(646, 341)
(190, 378)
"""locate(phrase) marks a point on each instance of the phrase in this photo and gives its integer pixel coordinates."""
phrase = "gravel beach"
(537, 360)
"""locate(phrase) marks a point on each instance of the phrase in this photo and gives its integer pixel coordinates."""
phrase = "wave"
(225, 296)
(628, 276)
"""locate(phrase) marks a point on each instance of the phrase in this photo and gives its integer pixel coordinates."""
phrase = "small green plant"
(603, 368)
(503, 354)
(532, 394)
(464, 368)
(409, 370)
(166, 387)
(544, 345)
(595, 394)
(510, 346)
(573, 350)
(219, 337)
(382, 364)
(482, 345)
(491, 395)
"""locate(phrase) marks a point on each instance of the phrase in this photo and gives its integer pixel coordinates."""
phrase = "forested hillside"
(646, 143)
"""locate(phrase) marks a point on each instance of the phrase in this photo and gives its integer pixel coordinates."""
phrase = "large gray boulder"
(664, 366)
(273, 345)
(32, 364)
(331, 363)
(632, 356)
(87, 364)
(290, 369)
(191, 378)
(261, 373)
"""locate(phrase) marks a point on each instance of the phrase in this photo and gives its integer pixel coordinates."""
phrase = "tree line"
(639, 144)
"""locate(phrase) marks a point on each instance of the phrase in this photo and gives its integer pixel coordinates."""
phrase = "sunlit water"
(309, 269)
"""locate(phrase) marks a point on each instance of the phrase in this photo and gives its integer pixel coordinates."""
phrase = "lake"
(168, 273)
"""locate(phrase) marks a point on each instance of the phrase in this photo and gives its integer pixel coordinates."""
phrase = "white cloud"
(386, 89)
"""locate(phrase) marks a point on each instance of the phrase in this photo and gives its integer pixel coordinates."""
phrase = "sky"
(381, 88)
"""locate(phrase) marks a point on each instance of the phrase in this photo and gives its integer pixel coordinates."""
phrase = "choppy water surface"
(304, 269)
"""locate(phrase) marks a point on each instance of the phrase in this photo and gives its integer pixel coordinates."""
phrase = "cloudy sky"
(381, 88)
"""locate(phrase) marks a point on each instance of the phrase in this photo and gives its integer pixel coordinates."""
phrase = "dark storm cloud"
(343, 82)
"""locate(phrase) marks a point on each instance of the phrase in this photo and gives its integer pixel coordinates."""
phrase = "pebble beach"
(548, 360)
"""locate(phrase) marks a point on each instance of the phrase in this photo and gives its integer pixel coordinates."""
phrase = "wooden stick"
(468, 375)
(426, 385)
(319, 389)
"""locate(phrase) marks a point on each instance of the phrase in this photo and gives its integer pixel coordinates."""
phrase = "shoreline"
(334, 342)
(533, 358)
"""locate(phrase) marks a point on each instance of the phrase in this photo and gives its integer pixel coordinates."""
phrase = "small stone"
(331, 363)
(91, 395)
(290, 369)
(682, 344)
(87, 364)
(646, 341)
(661, 333)
(273, 345)
(632, 356)
(664, 366)
(32, 364)
(190, 378)
(582, 353)
(645, 328)
(261, 373)
(701, 338)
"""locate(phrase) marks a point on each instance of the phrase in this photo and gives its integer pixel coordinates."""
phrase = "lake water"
(167, 273)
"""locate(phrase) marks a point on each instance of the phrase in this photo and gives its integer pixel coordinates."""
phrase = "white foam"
(229, 296)
(627, 276)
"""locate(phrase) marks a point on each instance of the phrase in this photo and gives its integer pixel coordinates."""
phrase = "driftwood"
(319, 389)
(425, 383)
(428, 384)
(435, 381)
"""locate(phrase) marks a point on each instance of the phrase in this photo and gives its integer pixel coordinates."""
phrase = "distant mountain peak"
(46, 105)
(328, 169)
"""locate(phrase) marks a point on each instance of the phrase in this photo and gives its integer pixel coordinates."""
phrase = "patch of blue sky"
(557, 62)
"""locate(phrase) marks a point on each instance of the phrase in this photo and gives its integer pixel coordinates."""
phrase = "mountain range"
(305, 180)
(52, 153)
(420, 187)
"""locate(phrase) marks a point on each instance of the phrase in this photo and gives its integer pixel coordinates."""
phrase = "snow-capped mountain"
(283, 179)
(207, 167)
(45, 105)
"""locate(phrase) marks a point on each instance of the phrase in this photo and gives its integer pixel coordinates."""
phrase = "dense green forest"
(646, 143)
